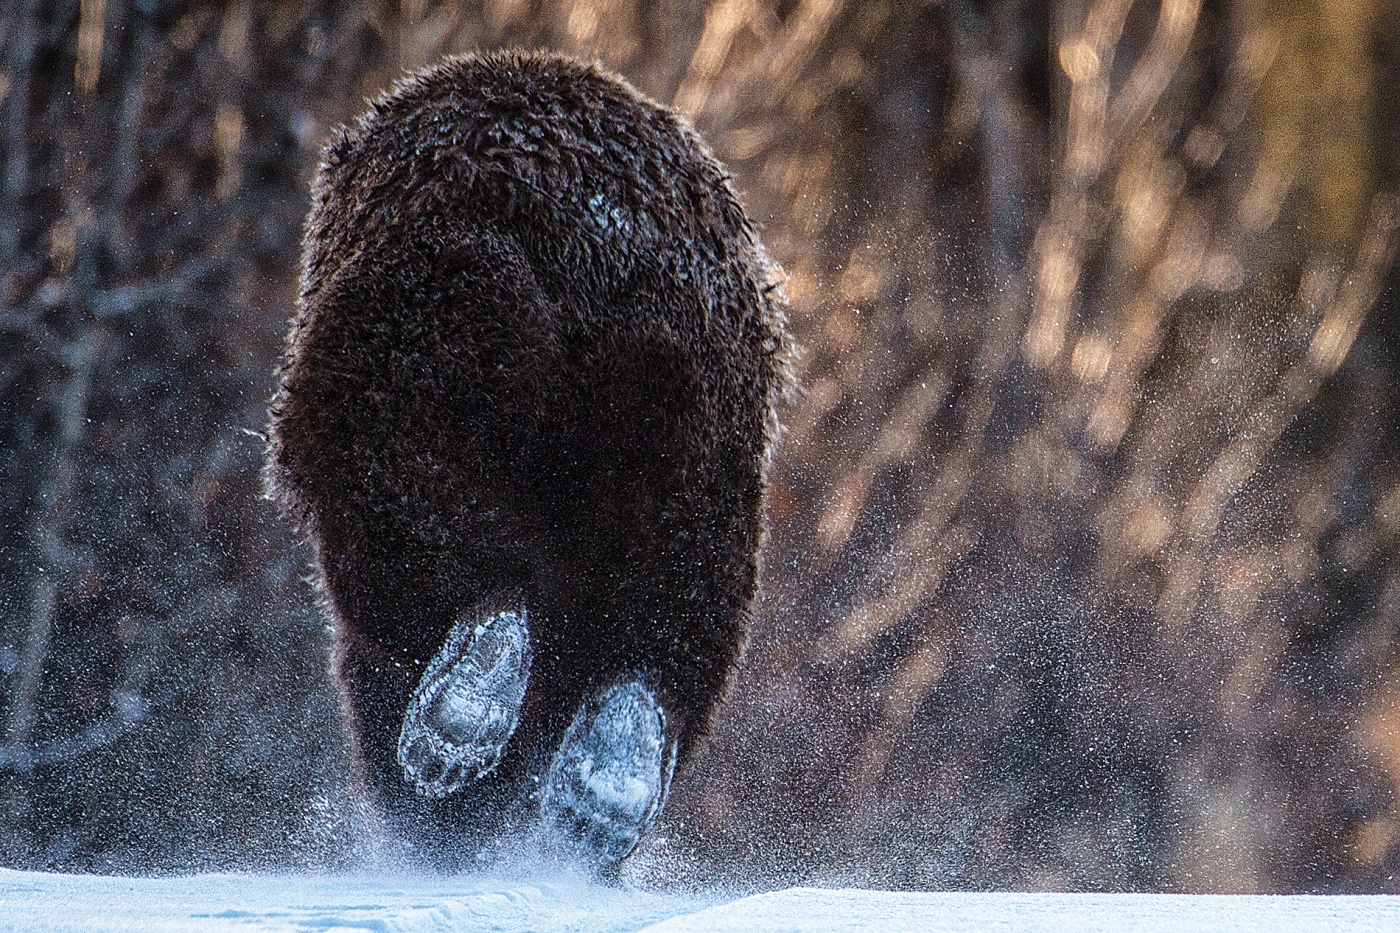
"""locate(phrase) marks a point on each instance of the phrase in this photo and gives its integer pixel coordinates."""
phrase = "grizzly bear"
(523, 417)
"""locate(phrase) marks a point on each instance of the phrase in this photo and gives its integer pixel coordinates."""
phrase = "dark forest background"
(1085, 559)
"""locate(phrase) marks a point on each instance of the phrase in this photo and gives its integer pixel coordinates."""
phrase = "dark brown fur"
(535, 359)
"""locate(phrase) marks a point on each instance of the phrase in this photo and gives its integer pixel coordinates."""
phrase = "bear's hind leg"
(467, 704)
(608, 781)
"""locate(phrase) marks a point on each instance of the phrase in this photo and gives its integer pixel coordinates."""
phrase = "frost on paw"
(467, 704)
(608, 780)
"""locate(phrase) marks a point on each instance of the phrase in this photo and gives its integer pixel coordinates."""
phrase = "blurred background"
(1084, 571)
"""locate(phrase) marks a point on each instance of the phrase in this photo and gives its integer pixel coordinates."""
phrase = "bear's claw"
(610, 776)
(467, 704)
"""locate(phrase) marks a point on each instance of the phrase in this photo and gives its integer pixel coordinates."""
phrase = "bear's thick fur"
(535, 362)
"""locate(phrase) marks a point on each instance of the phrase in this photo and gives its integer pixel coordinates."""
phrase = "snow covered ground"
(252, 903)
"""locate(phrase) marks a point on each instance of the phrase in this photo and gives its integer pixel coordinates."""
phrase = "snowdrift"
(32, 901)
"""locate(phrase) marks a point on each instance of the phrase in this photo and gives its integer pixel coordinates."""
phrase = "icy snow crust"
(806, 909)
(32, 901)
(45, 902)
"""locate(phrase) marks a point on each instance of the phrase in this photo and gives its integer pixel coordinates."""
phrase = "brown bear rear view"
(524, 416)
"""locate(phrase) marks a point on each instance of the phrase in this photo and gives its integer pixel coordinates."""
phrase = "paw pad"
(467, 704)
(609, 778)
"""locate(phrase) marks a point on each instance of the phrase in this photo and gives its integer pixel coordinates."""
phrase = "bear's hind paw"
(610, 776)
(467, 704)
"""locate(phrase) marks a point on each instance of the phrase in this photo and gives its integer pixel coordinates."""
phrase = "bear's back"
(586, 175)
